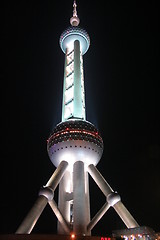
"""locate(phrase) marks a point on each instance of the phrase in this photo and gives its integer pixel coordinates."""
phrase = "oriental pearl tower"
(75, 147)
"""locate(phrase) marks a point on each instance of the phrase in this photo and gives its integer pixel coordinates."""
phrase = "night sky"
(122, 100)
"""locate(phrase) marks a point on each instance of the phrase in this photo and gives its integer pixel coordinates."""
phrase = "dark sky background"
(122, 100)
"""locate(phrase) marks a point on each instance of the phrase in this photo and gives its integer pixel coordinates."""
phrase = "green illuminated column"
(73, 105)
(77, 82)
(64, 88)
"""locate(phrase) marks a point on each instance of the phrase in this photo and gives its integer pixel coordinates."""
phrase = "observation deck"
(71, 34)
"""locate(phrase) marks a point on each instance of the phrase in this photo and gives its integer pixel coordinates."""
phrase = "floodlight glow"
(72, 235)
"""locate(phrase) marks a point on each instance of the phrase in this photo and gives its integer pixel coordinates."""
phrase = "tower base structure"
(79, 226)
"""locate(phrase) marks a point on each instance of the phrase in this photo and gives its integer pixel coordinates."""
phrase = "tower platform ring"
(74, 33)
(75, 140)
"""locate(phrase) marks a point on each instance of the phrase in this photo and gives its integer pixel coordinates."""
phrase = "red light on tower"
(105, 238)
(72, 235)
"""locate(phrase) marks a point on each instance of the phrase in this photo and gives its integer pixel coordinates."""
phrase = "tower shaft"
(73, 105)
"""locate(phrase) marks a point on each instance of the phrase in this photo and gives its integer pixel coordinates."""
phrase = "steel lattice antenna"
(75, 147)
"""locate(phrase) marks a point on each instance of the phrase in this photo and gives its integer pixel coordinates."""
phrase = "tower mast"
(74, 42)
(74, 20)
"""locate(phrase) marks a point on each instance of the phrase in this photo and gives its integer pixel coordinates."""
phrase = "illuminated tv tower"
(75, 147)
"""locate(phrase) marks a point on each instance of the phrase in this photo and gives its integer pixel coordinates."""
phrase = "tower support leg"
(125, 215)
(57, 175)
(60, 217)
(79, 213)
(98, 216)
(99, 179)
(113, 198)
(45, 195)
(33, 215)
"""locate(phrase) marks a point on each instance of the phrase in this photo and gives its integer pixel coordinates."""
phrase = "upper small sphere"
(74, 21)
(71, 34)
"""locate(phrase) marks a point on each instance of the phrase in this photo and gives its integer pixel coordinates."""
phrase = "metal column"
(98, 216)
(116, 203)
(60, 217)
(33, 215)
(63, 202)
(87, 205)
(79, 213)
(35, 212)
(125, 215)
(77, 82)
(99, 179)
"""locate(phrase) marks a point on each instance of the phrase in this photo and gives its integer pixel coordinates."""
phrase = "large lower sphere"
(75, 140)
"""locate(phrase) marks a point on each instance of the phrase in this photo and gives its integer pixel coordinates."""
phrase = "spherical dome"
(75, 140)
(74, 21)
(71, 34)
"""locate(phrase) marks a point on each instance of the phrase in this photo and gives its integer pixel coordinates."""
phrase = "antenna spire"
(74, 20)
(74, 9)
